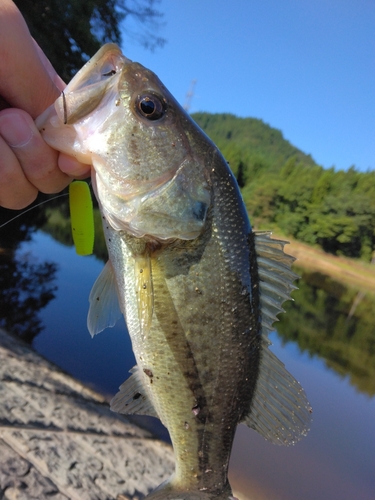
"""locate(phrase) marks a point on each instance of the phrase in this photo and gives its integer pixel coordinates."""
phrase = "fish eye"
(150, 106)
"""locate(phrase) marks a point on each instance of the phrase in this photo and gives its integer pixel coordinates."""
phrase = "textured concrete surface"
(59, 440)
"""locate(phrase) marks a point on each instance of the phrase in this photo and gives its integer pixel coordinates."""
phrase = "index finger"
(22, 70)
(60, 84)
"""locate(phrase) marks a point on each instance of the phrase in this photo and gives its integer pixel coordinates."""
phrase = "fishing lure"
(82, 217)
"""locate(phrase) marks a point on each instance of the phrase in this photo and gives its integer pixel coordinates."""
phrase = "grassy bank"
(350, 272)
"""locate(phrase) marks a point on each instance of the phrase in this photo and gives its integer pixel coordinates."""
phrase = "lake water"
(335, 461)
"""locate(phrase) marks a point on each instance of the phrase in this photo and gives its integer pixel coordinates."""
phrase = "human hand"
(28, 85)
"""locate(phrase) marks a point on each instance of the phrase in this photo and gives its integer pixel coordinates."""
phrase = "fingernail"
(15, 130)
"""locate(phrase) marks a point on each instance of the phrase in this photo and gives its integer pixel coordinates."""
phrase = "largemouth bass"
(198, 289)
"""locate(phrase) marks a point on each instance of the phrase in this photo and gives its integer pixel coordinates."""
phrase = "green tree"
(260, 147)
(261, 198)
(241, 174)
(70, 32)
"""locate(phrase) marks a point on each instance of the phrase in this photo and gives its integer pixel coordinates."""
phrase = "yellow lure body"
(82, 217)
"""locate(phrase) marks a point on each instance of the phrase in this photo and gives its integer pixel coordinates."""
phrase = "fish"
(198, 288)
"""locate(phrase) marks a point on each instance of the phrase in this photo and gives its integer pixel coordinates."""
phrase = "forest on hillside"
(284, 189)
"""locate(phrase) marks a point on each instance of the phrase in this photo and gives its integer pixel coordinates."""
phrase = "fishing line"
(81, 216)
(65, 109)
(32, 208)
(36, 206)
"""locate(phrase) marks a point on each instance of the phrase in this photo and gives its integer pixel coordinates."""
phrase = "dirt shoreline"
(350, 272)
(59, 440)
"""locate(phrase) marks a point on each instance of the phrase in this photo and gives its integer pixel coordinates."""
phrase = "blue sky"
(306, 67)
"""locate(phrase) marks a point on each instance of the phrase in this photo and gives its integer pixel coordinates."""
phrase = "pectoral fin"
(104, 308)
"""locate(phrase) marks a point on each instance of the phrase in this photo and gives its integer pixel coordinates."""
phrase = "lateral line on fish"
(191, 372)
(201, 398)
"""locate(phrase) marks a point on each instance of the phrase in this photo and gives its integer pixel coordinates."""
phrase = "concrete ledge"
(59, 440)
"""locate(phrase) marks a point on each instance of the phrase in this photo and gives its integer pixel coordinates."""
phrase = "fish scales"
(176, 350)
(183, 269)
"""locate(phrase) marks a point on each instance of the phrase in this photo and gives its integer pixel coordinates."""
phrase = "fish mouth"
(88, 87)
(87, 93)
(107, 62)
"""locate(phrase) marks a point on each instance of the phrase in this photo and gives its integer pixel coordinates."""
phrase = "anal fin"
(133, 397)
(279, 410)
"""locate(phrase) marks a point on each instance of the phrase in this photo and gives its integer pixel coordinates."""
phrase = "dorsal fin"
(279, 410)
(275, 277)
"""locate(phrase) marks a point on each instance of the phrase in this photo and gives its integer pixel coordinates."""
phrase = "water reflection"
(336, 458)
(323, 321)
(18, 225)
(26, 285)
(322, 318)
(326, 319)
